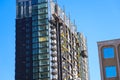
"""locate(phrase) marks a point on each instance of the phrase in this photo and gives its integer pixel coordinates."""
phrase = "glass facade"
(23, 9)
(108, 52)
(40, 40)
(110, 71)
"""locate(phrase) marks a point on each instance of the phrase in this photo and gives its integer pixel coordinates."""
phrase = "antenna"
(69, 20)
(64, 12)
(69, 16)
(74, 21)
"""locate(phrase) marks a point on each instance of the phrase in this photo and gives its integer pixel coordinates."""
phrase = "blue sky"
(97, 19)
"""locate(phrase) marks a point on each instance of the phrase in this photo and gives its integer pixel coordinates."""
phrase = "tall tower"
(48, 46)
(24, 57)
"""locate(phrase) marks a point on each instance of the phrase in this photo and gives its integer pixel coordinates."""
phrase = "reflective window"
(44, 27)
(43, 16)
(34, 2)
(41, 11)
(42, 39)
(40, 45)
(44, 56)
(44, 68)
(35, 76)
(35, 63)
(110, 71)
(108, 52)
(36, 69)
(40, 33)
(42, 5)
(41, 1)
(43, 62)
(44, 75)
(43, 50)
(35, 40)
(19, 10)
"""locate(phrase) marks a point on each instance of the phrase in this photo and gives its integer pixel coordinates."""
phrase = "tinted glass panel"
(108, 52)
(111, 71)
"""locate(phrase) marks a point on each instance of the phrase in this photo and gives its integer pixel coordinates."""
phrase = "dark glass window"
(41, 1)
(110, 71)
(19, 10)
(108, 52)
(34, 2)
(44, 68)
(27, 3)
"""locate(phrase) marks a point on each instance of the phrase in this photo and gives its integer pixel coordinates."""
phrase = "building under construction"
(48, 46)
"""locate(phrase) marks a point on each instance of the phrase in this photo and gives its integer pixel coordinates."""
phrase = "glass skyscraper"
(48, 46)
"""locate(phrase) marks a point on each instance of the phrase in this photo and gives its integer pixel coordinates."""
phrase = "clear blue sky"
(97, 19)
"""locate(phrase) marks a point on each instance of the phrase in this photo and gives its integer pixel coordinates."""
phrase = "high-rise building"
(48, 46)
(109, 57)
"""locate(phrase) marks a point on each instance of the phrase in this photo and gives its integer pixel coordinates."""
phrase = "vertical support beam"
(59, 50)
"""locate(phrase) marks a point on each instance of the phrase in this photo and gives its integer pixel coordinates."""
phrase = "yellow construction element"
(41, 39)
(64, 48)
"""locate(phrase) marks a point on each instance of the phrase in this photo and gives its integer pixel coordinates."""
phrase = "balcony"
(52, 22)
(54, 54)
(53, 43)
(53, 32)
(54, 49)
(53, 37)
(53, 61)
(52, 27)
(54, 72)
(54, 66)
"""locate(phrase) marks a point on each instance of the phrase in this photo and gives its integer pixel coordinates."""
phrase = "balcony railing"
(52, 27)
(54, 54)
(54, 49)
(54, 66)
(53, 37)
(54, 72)
(53, 32)
(53, 43)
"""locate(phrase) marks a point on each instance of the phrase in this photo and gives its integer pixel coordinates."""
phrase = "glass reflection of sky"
(108, 52)
(110, 71)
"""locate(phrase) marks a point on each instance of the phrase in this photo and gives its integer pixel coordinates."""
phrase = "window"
(43, 10)
(108, 52)
(44, 75)
(43, 50)
(44, 62)
(40, 45)
(36, 69)
(42, 5)
(43, 22)
(19, 10)
(34, 2)
(44, 27)
(43, 33)
(43, 16)
(35, 76)
(110, 71)
(44, 56)
(42, 1)
(44, 68)
(35, 40)
(41, 39)
(34, 23)
(35, 63)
